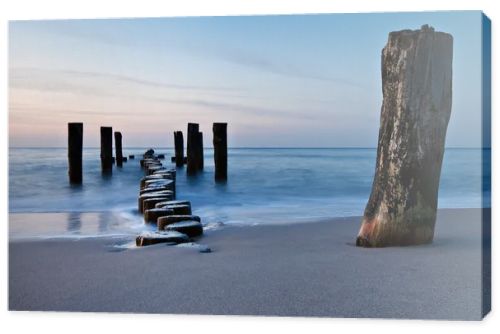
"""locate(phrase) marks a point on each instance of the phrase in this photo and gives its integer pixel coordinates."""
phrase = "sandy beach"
(309, 269)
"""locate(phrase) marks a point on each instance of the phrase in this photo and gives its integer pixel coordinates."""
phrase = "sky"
(278, 81)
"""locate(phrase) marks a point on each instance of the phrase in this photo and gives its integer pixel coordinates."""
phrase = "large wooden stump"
(192, 148)
(179, 148)
(106, 149)
(118, 149)
(75, 146)
(417, 91)
(220, 151)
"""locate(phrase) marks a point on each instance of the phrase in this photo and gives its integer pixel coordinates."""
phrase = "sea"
(264, 186)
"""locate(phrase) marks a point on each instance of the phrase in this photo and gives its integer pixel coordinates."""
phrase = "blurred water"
(264, 185)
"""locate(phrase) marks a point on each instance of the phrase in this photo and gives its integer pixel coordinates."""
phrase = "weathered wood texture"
(417, 93)
(179, 148)
(106, 149)
(118, 149)
(75, 146)
(220, 150)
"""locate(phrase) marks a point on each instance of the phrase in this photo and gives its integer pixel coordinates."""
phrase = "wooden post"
(220, 151)
(192, 148)
(106, 149)
(75, 145)
(416, 108)
(179, 148)
(118, 149)
(200, 151)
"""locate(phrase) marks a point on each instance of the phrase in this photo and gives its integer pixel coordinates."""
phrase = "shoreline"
(300, 269)
(100, 219)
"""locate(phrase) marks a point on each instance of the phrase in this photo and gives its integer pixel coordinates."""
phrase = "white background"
(50, 322)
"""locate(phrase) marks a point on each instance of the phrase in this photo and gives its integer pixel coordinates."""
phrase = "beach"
(302, 269)
(248, 166)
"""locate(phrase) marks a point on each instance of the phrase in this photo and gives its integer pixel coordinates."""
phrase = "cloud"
(209, 106)
(19, 76)
(91, 84)
(24, 111)
(246, 109)
(147, 83)
(279, 68)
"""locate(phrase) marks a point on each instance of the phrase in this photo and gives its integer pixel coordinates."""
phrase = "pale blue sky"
(295, 81)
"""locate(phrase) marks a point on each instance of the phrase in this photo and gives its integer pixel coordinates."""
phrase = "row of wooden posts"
(194, 159)
(173, 218)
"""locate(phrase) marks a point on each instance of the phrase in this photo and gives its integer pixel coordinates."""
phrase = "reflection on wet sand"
(104, 220)
(74, 222)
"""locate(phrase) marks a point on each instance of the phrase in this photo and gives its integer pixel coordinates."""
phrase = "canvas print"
(333, 165)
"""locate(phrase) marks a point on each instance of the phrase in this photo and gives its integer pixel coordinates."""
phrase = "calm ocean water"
(265, 186)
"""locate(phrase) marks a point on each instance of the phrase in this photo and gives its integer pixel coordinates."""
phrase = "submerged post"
(75, 145)
(179, 148)
(417, 91)
(118, 149)
(220, 151)
(106, 149)
(192, 148)
(200, 151)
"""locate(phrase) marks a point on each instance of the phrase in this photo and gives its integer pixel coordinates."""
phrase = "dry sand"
(308, 269)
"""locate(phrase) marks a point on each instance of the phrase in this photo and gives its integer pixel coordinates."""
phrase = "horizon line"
(238, 147)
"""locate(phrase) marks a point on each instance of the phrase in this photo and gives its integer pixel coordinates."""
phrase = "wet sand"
(310, 269)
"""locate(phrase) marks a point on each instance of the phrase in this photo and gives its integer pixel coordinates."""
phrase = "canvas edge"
(486, 163)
